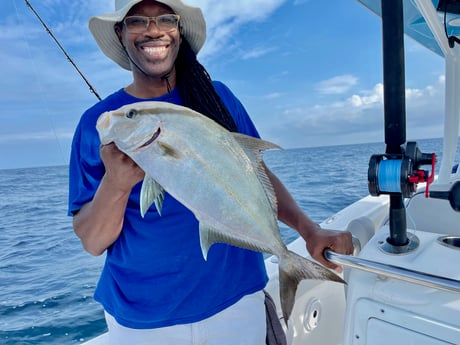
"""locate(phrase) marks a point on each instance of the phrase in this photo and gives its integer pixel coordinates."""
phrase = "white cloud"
(224, 19)
(358, 118)
(273, 95)
(368, 98)
(337, 85)
(256, 53)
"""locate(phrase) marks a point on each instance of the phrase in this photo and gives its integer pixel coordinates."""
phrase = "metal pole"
(395, 105)
(400, 273)
(394, 74)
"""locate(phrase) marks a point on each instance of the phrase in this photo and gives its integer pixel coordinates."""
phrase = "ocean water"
(47, 279)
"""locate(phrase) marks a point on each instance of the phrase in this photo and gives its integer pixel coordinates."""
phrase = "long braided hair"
(196, 89)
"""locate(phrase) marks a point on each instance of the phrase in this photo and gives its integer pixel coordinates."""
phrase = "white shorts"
(243, 323)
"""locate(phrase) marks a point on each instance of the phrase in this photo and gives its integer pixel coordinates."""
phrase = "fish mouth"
(151, 140)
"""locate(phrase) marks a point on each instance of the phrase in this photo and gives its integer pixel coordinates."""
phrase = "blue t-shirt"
(154, 274)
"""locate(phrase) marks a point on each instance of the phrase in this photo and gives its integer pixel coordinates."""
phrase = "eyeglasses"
(139, 24)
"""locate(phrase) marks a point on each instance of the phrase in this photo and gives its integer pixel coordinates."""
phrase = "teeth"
(154, 50)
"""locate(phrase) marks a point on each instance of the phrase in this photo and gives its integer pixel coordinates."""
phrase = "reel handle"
(453, 195)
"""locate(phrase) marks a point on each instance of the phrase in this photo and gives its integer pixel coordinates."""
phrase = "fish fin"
(209, 236)
(293, 268)
(253, 145)
(151, 192)
(253, 148)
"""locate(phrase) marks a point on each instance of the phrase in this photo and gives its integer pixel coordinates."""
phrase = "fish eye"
(130, 114)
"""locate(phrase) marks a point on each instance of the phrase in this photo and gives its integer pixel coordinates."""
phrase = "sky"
(308, 72)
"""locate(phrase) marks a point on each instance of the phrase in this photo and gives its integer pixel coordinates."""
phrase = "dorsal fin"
(253, 148)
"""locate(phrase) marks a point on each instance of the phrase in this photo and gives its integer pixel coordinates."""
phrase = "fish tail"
(294, 268)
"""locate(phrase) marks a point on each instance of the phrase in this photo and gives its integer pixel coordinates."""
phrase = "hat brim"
(193, 29)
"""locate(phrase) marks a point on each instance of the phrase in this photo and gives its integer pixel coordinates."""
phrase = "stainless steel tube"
(404, 274)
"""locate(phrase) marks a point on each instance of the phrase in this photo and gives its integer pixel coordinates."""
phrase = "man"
(155, 286)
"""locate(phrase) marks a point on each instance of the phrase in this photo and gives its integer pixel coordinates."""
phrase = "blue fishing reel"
(400, 173)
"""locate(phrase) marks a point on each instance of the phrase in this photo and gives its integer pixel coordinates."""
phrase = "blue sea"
(47, 279)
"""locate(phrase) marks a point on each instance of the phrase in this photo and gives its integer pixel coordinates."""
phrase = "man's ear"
(118, 31)
(180, 35)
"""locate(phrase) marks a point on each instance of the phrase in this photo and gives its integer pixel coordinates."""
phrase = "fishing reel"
(400, 173)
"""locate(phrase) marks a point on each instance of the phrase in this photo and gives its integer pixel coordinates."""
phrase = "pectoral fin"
(151, 192)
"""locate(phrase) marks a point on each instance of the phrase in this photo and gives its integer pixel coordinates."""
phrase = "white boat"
(404, 279)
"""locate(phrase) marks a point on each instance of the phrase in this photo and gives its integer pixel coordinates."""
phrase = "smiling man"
(152, 56)
(155, 286)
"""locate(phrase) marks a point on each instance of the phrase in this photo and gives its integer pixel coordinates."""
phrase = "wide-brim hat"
(193, 28)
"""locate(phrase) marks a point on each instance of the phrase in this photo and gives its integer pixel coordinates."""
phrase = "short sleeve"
(237, 110)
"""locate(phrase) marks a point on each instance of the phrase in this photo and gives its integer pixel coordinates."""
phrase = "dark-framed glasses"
(139, 24)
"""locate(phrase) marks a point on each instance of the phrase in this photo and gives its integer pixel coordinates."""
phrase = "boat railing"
(391, 271)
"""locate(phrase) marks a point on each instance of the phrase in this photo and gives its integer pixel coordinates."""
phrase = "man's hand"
(337, 241)
(122, 172)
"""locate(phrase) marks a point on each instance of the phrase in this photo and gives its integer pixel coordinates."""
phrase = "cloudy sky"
(309, 73)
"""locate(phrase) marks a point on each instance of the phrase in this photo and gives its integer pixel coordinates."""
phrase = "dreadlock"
(197, 91)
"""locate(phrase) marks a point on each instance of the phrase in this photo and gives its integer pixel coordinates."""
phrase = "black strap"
(275, 332)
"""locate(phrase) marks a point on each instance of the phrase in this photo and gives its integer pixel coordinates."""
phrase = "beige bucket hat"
(193, 28)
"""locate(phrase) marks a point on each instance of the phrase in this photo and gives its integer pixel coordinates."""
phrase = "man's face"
(153, 50)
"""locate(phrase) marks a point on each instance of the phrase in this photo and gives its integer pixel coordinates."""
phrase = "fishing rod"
(91, 88)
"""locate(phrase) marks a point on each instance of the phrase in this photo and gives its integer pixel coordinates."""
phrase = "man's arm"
(99, 222)
(317, 239)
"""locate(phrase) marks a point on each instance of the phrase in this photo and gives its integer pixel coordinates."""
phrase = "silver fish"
(217, 174)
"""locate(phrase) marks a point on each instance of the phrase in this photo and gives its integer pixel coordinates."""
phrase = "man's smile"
(155, 50)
